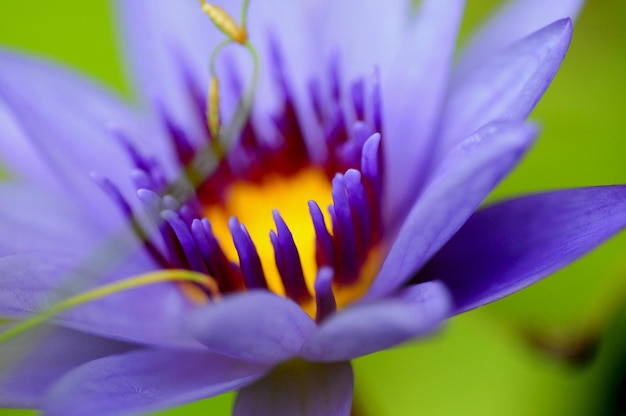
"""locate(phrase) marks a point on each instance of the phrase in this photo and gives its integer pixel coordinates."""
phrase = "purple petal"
(299, 388)
(69, 126)
(351, 34)
(426, 48)
(512, 244)
(39, 220)
(29, 279)
(174, 36)
(28, 367)
(307, 50)
(174, 42)
(146, 380)
(163, 40)
(418, 75)
(19, 156)
(292, 46)
(256, 326)
(373, 326)
(33, 281)
(507, 86)
(460, 184)
(511, 22)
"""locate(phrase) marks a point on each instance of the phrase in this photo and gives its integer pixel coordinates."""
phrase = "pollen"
(213, 111)
(225, 23)
(253, 203)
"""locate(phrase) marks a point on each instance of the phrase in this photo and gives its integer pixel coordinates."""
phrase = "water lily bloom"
(318, 204)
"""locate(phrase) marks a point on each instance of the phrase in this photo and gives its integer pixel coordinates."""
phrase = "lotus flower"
(325, 206)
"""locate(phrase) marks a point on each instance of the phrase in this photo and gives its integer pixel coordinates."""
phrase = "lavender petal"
(373, 326)
(298, 389)
(507, 246)
(462, 181)
(146, 380)
(256, 326)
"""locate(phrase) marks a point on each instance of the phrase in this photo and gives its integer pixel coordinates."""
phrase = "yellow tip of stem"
(225, 23)
(213, 112)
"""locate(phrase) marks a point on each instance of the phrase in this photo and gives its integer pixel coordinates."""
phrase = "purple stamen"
(175, 250)
(197, 231)
(336, 132)
(171, 203)
(196, 95)
(138, 160)
(345, 235)
(188, 212)
(361, 131)
(227, 274)
(288, 261)
(114, 193)
(360, 211)
(371, 167)
(249, 260)
(315, 93)
(324, 296)
(186, 241)
(151, 201)
(325, 254)
(334, 77)
(180, 141)
(277, 64)
(357, 92)
(142, 180)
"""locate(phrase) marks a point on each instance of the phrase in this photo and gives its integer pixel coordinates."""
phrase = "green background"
(513, 357)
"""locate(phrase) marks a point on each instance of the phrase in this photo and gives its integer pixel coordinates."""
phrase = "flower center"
(261, 208)
(253, 203)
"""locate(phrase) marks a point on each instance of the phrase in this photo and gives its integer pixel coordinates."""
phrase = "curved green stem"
(245, 105)
(104, 291)
(215, 53)
(244, 13)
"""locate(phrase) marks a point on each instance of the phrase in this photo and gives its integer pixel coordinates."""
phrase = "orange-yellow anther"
(197, 295)
(225, 23)
(213, 112)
